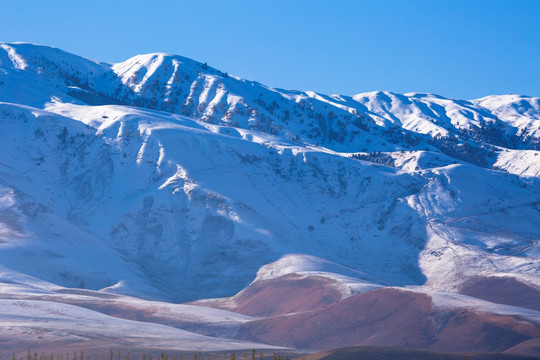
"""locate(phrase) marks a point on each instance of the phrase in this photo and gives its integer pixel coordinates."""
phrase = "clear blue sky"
(455, 48)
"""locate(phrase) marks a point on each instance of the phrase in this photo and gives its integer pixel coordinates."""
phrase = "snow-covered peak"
(521, 112)
(425, 113)
(39, 58)
(137, 71)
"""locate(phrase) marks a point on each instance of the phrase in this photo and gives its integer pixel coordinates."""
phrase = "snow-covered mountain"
(163, 178)
(474, 131)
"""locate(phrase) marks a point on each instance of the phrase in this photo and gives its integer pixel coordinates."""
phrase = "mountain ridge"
(191, 88)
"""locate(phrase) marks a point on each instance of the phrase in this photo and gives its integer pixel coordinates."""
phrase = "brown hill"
(302, 293)
(503, 290)
(530, 347)
(284, 295)
(391, 317)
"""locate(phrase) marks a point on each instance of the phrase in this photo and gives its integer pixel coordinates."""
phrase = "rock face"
(165, 179)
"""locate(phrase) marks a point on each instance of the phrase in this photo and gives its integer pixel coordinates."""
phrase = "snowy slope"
(519, 162)
(519, 111)
(51, 325)
(168, 204)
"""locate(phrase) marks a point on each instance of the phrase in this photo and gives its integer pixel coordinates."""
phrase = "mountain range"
(208, 212)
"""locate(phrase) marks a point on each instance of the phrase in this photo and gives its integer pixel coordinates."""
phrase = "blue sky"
(459, 49)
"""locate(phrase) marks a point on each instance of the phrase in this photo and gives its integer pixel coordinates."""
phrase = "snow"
(458, 301)
(350, 281)
(25, 320)
(519, 162)
(304, 265)
(521, 112)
